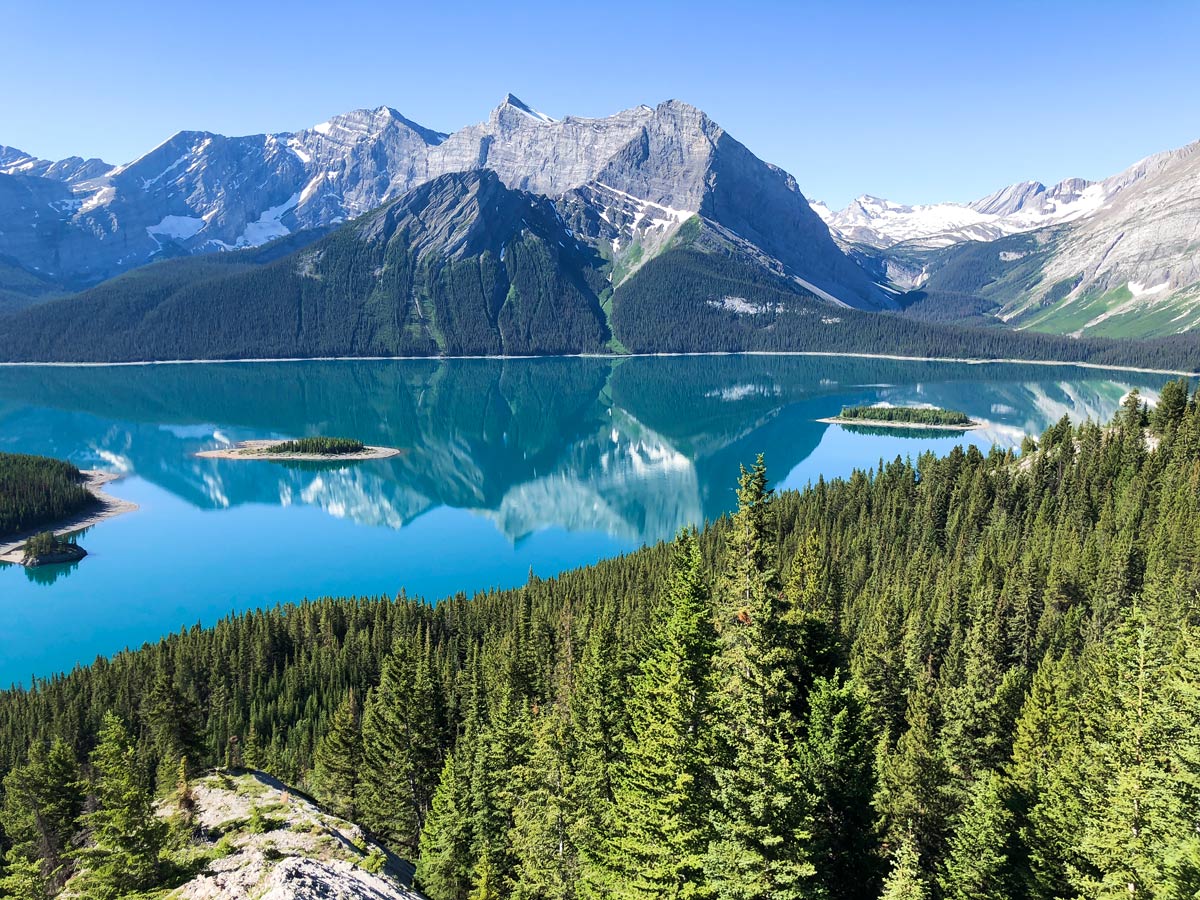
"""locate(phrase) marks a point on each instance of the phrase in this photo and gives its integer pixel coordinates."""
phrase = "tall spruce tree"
(979, 861)
(443, 870)
(1132, 818)
(337, 763)
(906, 880)
(126, 836)
(661, 822)
(837, 761)
(763, 815)
(42, 801)
(402, 741)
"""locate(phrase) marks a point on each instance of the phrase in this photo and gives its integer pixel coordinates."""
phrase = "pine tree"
(127, 837)
(837, 764)
(662, 786)
(597, 719)
(337, 763)
(978, 865)
(546, 812)
(913, 779)
(401, 730)
(173, 723)
(42, 800)
(1130, 808)
(906, 881)
(552, 808)
(444, 866)
(762, 815)
(1043, 776)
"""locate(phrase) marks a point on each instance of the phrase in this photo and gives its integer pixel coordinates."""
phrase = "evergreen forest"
(35, 490)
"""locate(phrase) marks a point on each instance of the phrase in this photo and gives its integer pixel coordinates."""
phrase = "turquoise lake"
(508, 466)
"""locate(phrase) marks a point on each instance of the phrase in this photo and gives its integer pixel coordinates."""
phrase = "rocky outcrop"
(298, 852)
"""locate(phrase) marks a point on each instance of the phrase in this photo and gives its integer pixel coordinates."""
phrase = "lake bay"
(508, 467)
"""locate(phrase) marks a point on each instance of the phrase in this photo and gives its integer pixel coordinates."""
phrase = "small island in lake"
(47, 548)
(319, 449)
(904, 417)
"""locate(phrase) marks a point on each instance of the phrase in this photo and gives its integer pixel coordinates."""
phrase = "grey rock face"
(71, 170)
(1145, 238)
(631, 179)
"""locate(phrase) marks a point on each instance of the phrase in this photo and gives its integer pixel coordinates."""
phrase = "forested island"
(302, 450)
(47, 548)
(904, 417)
(966, 676)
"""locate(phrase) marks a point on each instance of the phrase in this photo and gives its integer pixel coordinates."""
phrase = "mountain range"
(1117, 257)
(369, 234)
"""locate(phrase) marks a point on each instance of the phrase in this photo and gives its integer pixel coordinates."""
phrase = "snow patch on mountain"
(1140, 290)
(268, 227)
(178, 228)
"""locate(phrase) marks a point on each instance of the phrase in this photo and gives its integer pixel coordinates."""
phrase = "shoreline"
(256, 450)
(970, 361)
(883, 423)
(109, 507)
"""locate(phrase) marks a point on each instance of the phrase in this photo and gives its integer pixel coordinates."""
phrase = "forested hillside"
(35, 490)
(463, 266)
(690, 302)
(969, 676)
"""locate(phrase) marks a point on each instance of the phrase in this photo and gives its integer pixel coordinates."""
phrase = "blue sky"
(916, 102)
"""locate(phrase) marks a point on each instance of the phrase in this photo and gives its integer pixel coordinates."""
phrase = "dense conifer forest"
(919, 415)
(35, 491)
(320, 446)
(368, 290)
(967, 676)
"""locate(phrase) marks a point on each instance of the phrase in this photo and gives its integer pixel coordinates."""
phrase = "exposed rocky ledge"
(63, 553)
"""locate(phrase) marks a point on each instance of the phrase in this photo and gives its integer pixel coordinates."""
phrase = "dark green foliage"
(126, 837)
(42, 800)
(403, 744)
(45, 543)
(318, 446)
(36, 491)
(682, 301)
(661, 828)
(916, 415)
(975, 675)
(337, 763)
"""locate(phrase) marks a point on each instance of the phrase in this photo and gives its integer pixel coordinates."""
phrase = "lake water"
(508, 466)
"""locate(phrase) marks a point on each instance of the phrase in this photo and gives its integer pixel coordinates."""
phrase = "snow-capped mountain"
(1025, 206)
(628, 181)
(1117, 257)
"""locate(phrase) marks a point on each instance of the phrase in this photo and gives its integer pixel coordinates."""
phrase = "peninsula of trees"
(36, 491)
(967, 676)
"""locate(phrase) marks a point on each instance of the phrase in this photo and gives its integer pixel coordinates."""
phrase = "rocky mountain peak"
(512, 103)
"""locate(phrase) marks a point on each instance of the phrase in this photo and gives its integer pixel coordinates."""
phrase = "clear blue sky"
(913, 101)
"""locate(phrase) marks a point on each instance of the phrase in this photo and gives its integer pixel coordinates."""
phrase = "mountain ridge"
(200, 192)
